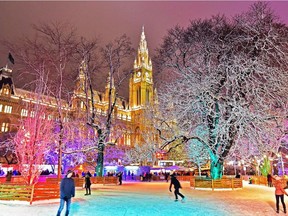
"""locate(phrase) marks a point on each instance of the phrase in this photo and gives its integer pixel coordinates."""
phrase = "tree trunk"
(216, 169)
(100, 161)
(100, 154)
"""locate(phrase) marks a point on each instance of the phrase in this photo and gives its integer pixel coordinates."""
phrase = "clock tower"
(141, 80)
(141, 93)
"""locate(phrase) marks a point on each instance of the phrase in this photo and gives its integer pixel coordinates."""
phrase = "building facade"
(129, 114)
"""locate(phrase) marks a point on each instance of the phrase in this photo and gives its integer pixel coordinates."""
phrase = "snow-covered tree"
(230, 77)
(31, 144)
(113, 56)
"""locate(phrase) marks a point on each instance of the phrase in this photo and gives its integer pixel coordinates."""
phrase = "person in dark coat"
(67, 191)
(88, 183)
(120, 174)
(238, 175)
(177, 186)
(9, 176)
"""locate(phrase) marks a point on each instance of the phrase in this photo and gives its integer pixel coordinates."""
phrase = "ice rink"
(154, 199)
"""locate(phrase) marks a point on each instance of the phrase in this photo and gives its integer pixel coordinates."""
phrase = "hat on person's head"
(69, 171)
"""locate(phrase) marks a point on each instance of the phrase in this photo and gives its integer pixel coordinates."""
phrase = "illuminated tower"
(141, 93)
(141, 81)
(79, 96)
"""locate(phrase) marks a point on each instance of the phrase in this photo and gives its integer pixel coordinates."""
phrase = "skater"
(279, 193)
(119, 175)
(67, 190)
(88, 183)
(177, 186)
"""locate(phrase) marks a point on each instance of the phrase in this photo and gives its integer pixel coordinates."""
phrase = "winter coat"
(279, 190)
(67, 188)
(175, 182)
(87, 180)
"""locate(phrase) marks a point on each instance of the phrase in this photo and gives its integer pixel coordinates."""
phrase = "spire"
(143, 34)
(143, 43)
(142, 59)
(108, 82)
(81, 70)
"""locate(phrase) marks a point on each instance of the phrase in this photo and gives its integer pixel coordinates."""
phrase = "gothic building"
(13, 101)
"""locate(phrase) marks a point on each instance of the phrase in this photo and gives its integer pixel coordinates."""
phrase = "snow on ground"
(154, 199)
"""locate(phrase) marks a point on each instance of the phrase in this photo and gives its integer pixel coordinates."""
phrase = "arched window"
(147, 96)
(138, 96)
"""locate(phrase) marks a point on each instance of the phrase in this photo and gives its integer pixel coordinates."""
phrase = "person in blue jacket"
(67, 191)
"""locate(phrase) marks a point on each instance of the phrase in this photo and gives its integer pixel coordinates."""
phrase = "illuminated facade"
(13, 101)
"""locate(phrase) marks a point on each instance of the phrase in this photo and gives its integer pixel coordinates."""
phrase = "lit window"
(1, 107)
(7, 109)
(5, 91)
(5, 127)
(24, 112)
(32, 114)
(82, 105)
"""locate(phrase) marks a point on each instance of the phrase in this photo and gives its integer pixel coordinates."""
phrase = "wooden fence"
(105, 180)
(259, 180)
(79, 182)
(29, 193)
(224, 183)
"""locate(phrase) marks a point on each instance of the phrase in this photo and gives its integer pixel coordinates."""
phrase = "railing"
(224, 183)
(29, 193)
(104, 180)
(259, 180)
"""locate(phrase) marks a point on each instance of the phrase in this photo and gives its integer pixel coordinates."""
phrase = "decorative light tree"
(31, 144)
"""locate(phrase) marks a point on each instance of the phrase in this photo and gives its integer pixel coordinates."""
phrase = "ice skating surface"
(154, 199)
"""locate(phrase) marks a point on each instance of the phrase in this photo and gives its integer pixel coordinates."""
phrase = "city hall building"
(129, 114)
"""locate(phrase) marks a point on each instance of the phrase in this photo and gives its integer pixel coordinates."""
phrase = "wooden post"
(232, 183)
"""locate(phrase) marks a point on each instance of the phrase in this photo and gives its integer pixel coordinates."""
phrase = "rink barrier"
(259, 180)
(29, 193)
(54, 180)
(105, 180)
(80, 181)
(225, 183)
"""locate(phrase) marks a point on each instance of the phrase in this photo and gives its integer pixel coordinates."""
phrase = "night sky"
(108, 20)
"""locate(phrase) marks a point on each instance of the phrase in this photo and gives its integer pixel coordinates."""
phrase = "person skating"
(177, 186)
(67, 191)
(279, 193)
(119, 175)
(88, 183)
